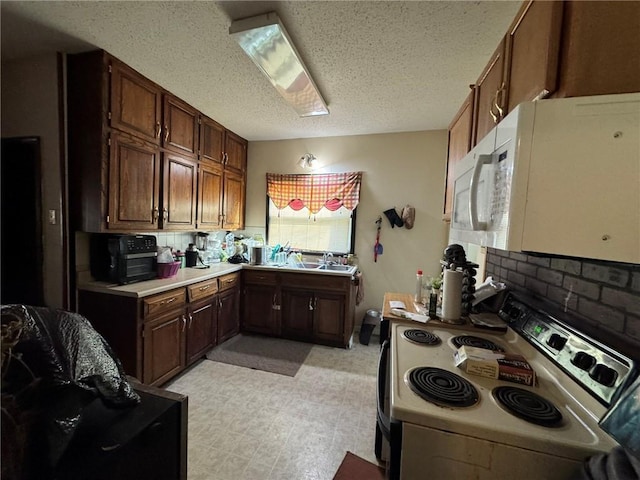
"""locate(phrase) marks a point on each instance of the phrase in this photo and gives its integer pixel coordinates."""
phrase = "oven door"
(388, 432)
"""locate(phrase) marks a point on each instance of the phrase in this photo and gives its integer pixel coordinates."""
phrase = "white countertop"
(187, 276)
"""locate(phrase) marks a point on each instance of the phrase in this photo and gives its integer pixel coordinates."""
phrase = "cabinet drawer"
(310, 281)
(228, 281)
(202, 289)
(164, 302)
(260, 277)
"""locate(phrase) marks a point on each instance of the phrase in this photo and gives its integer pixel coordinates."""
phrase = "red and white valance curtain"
(328, 190)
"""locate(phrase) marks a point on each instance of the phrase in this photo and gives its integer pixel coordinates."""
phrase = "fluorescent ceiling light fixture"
(268, 44)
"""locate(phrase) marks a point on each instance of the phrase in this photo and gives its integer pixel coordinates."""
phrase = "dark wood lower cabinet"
(163, 347)
(328, 318)
(228, 314)
(297, 314)
(156, 337)
(299, 306)
(261, 304)
(202, 323)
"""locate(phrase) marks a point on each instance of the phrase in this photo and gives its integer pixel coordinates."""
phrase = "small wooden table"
(407, 299)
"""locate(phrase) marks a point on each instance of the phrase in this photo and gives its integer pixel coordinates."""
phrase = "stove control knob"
(604, 375)
(583, 361)
(514, 312)
(556, 341)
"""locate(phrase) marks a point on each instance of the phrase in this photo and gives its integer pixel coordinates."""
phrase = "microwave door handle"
(473, 192)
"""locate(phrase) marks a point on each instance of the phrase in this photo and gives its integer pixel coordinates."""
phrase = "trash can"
(369, 322)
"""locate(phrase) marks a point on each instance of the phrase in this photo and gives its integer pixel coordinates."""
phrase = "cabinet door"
(179, 193)
(260, 311)
(180, 128)
(236, 150)
(228, 314)
(209, 197)
(328, 317)
(233, 203)
(600, 45)
(297, 314)
(135, 103)
(489, 88)
(211, 141)
(134, 181)
(533, 51)
(201, 328)
(460, 132)
(163, 347)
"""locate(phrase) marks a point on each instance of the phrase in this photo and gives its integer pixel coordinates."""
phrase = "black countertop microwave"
(123, 259)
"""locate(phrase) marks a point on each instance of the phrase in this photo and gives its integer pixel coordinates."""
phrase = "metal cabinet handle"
(190, 320)
(169, 300)
(184, 323)
(156, 214)
(310, 303)
(493, 104)
(158, 130)
(206, 287)
(165, 213)
(500, 92)
(166, 133)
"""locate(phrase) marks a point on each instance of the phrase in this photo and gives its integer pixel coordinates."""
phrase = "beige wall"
(30, 108)
(398, 169)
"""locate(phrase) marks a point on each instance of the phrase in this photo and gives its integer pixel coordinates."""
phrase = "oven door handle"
(384, 420)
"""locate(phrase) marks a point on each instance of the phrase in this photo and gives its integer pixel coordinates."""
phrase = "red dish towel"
(360, 288)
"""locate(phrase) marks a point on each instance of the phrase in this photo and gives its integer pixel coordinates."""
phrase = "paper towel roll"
(452, 296)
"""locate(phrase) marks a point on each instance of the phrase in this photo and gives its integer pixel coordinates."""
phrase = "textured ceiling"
(381, 66)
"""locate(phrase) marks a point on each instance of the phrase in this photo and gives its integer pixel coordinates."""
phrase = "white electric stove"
(448, 424)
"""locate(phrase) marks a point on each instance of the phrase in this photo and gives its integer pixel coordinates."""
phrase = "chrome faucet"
(325, 258)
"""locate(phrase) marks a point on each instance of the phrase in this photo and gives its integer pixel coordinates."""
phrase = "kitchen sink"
(337, 268)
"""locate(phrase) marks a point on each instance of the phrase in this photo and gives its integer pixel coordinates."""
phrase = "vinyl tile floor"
(255, 425)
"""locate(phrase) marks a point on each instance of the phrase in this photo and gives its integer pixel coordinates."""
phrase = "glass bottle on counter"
(418, 295)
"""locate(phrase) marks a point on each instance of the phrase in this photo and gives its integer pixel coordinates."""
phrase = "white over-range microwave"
(557, 176)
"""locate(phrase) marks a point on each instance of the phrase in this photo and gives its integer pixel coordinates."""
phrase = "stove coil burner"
(422, 337)
(473, 341)
(442, 387)
(528, 406)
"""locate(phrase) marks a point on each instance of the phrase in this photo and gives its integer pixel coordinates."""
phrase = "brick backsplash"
(605, 295)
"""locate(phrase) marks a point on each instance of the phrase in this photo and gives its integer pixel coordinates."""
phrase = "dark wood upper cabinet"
(135, 103)
(211, 140)
(233, 202)
(134, 179)
(236, 152)
(600, 45)
(122, 129)
(180, 126)
(460, 141)
(209, 197)
(533, 52)
(489, 90)
(179, 192)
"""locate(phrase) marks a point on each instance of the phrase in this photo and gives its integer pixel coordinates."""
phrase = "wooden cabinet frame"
(121, 126)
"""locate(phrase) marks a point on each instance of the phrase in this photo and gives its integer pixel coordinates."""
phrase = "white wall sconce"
(267, 43)
(308, 161)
